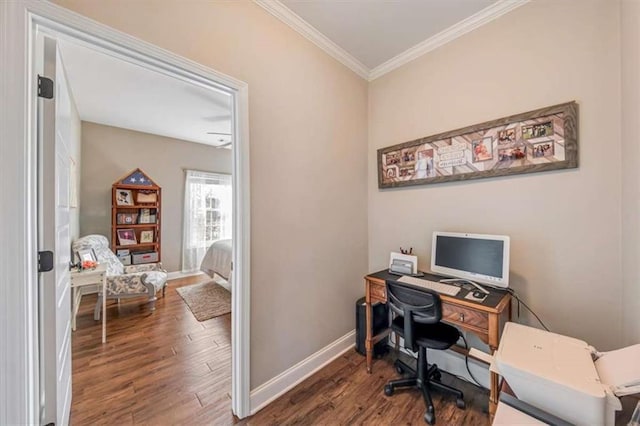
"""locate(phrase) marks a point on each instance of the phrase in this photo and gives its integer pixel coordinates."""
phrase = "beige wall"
(109, 153)
(565, 226)
(308, 124)
(630, 171)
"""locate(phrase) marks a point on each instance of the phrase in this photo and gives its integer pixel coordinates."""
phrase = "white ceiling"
(111, 91)
(374, 37)
(374, 31)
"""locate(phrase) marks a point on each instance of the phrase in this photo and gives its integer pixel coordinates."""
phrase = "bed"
(217, 261)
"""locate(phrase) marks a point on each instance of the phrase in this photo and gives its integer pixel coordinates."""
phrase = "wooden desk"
(484, 319)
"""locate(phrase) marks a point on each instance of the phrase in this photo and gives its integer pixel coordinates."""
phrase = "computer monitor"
(476, 257)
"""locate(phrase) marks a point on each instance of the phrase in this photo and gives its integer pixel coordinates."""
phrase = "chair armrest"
(131, 269)
(125, 284)
(154, 280)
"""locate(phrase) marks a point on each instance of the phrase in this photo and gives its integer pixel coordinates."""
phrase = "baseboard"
(266, 393)
(179, 274)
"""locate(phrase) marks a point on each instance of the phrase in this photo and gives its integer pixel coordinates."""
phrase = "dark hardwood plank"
(161, 367)
(344, 394)
(165, 368)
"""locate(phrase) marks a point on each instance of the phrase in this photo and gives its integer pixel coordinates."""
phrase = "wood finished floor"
(343, 393)
(166, 368)
(156, 368)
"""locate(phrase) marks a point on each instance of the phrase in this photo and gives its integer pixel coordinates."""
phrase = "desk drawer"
(460, 315)
(379, 292)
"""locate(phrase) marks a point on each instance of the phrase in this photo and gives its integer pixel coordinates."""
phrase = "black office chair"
(417, 320)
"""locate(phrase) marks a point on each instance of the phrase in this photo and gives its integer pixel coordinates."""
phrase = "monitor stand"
(462, 280)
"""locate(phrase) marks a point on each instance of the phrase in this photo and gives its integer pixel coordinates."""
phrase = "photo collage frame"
(535, 141)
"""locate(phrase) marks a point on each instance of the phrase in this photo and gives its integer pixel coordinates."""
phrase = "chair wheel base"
(388, 390)
(399, 368)
(460, 403)
(430, 418)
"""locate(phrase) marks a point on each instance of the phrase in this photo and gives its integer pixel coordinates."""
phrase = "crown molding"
(286, 15)
(486, 15)
(469, 24)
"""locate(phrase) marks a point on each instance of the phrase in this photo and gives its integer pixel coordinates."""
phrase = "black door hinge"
(45, 261)
(45, 87)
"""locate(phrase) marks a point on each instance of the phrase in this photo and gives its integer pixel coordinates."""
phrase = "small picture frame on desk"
(86, 255)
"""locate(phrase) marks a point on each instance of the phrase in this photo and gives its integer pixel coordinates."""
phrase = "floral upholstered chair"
(123, 281)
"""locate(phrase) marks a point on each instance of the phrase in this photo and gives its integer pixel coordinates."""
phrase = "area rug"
(206, 300)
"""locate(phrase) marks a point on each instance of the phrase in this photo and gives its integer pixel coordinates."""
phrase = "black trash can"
(380, 313)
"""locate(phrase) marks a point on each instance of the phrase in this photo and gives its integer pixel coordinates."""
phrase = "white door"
(54, 127)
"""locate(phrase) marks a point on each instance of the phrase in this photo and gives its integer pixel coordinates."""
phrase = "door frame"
(19, 360)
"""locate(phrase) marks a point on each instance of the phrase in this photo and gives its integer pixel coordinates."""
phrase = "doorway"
(57, 23)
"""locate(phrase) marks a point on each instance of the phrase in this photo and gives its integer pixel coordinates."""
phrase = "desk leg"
(104, 309)
(493, 394)
(368, 344)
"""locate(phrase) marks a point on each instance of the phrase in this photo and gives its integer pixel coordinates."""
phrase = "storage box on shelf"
(136, 203)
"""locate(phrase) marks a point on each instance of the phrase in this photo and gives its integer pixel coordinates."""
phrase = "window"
(212, 223)
(207, 215)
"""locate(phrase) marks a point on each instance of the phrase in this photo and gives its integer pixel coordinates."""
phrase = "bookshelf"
(136, 205)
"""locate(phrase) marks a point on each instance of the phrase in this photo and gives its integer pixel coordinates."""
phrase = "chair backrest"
(415, 306)
(100, 246)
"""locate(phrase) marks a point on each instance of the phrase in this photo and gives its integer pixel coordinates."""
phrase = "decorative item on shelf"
(146, 216)
(124, 256)
(137, 178)
(124, 197)
(126, 237)
(149, 256)
(146, 236)
(127, 218)
(146, 197)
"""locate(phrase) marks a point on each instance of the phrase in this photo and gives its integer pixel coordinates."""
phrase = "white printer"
(565, 376)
